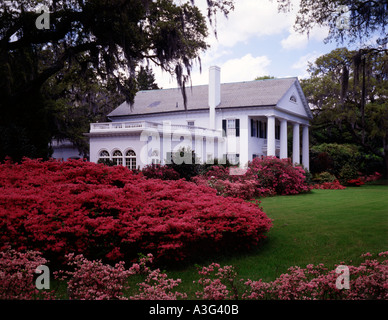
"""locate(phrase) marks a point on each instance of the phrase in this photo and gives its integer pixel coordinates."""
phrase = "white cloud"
(299, 41)
(250, 18)
(302, 64)
(246, 68)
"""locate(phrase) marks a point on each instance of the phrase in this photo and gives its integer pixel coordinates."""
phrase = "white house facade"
(238, 121)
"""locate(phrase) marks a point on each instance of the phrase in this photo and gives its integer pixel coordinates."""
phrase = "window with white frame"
(190, 123)
(231, 128)
(117, 158)
(130, 159)
(103, 156)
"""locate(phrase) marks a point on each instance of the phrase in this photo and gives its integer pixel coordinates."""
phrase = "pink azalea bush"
(157, 286)
(334, 185)
(93, 280)
(157, 171)
(111, 213)
(264, 177)
(17, 270)
(88, 279)
(218, 283)
(369, 178)
(367, 281)
(355, 182)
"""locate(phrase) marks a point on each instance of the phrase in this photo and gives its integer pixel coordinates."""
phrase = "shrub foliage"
(111, 213)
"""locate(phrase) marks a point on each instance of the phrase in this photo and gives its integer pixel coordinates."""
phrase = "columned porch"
(283, 153)
(276, 138)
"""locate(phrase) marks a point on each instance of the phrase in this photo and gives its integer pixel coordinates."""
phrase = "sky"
(255, 40)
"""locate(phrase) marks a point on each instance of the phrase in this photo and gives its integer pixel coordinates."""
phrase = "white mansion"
(238, 121)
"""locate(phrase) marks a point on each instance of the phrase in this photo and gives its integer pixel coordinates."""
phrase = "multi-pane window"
(104, 155)
(130, 159)
(231, 127)
(117, 158)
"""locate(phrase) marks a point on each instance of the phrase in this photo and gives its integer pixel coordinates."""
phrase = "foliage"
(264, 177)
(355, 182)
(347, 172)
(157, 171)
(367, 281)
(146, 79)
(333, 185)
(364, 19)
(348, 90)
(333, 157)
(111, 213)
(185, 162)
(218, 283)
(93, 280)
(324, 177)
(279, 175)
(17, 270)
(89, 45)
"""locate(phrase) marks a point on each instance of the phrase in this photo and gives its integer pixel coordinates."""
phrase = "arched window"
(117, 158)
(104, 155)
(293, 99)
(130, 159)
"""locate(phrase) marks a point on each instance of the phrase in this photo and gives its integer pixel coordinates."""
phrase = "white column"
(283, 139)
(305, 147)
(243, 142)
(295, 144)
(271, 136)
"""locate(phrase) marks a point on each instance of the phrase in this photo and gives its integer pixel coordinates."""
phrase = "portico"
(283, 140)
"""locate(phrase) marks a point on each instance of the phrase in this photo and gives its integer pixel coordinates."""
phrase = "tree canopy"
(350, 105)
(87, 42)
(348, 20)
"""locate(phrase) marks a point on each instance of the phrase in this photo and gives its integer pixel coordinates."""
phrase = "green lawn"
(323, 226)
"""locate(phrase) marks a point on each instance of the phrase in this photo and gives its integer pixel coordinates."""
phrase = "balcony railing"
(128, 126)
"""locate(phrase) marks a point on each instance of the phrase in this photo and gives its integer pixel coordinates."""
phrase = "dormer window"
(293, 99)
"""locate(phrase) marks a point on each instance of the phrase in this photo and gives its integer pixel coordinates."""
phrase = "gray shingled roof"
(239, 94)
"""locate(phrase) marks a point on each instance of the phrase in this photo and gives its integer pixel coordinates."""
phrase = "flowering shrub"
(355, 182)
(264, 177)
(157, 171)
(158, 287)
(110, 213)
(218, 283)
(279, 175)
(335, 185)
(93, 280)
(372, 177)
(367, 281)
(17, 271)
(237, 188)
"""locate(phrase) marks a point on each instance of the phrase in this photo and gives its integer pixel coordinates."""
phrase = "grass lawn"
(323, 226)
